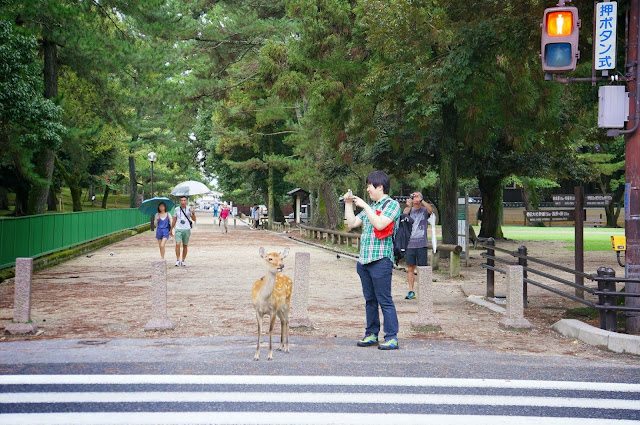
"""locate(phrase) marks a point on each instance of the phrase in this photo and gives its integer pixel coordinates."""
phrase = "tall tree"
(28, 121)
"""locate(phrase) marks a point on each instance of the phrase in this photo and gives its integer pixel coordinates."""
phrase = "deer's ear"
(262, 252)
(284, 253)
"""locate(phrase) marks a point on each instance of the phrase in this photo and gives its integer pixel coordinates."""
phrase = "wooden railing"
(339, 238)
(353, 239)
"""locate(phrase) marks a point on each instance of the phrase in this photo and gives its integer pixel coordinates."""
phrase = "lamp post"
(152, 158)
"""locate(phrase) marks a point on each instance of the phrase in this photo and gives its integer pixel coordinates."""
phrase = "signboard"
(597, 200)
(564, 200)
(605, 35)
(589, 200)
(549, 215)
(462, 223)
(627, 208)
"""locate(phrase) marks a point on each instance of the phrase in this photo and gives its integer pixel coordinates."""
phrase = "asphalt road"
(215, 380)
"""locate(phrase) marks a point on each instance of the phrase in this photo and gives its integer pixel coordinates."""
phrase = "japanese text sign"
(605, 35)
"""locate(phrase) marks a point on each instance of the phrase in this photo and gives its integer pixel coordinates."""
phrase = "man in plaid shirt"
(376, 257)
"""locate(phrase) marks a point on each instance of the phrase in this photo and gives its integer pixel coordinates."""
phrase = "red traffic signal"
(560, 33)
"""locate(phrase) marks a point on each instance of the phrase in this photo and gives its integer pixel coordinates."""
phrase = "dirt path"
(110, 296)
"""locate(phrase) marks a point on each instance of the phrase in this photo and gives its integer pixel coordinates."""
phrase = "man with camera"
(183, 220)
(375, 263)
(416, 255)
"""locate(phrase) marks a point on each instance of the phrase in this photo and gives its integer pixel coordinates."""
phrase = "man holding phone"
(183, 220)
(375, 263)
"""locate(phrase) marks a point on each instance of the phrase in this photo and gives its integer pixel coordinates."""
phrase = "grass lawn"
(114, 201)
(595, 239)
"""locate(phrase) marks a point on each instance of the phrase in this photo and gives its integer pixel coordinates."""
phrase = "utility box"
(613, 106)
(619, 243)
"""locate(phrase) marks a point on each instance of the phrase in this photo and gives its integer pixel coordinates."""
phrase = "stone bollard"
(454, 264)
(425, 293)
(159, 319)
(22, 299)
(515, 314)
(300, 296)
(435, 259)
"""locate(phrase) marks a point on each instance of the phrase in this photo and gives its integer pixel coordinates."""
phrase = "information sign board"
(605, 35)
(550, 215)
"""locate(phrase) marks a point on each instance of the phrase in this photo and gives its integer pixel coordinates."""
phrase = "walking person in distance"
(164, 226)
(183, 220)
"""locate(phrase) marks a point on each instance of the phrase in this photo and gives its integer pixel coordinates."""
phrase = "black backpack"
(402, 236)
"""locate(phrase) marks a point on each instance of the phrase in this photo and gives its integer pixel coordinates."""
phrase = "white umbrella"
(190, 188)
(432, 221)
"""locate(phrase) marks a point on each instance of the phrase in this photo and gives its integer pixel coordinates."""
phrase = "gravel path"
(109, 296)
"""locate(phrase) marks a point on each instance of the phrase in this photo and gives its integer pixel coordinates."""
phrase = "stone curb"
(613, 341)
(484, 303)
(572, 328)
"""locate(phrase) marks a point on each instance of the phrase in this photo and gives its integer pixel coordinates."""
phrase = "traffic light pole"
(632, 164)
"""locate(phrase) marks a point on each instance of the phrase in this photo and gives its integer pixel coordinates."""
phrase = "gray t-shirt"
(419, 230)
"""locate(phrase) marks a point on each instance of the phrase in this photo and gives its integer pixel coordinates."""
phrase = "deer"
(271, 296)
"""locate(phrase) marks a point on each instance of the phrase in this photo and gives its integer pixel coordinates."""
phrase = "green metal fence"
(36, 235)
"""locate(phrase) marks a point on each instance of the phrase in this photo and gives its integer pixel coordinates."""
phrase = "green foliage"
(28, 121)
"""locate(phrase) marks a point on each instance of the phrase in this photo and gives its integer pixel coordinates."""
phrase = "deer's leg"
(257, 355)
(286, 326)
(281, 317)
(271, 323)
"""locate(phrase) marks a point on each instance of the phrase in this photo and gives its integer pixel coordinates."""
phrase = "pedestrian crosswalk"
(252, 399)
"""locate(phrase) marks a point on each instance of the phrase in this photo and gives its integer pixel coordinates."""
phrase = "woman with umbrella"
(163, 224)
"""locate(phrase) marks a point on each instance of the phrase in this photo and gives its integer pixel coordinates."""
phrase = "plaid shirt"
(372, 248)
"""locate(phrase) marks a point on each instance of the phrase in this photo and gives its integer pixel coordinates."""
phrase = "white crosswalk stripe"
(203, 399)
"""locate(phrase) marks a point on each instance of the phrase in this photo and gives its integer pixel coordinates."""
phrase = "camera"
(412, 196)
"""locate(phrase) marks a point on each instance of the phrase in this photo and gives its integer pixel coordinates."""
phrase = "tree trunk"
(331, 203)
(40, 188)
(270, 197)
(612, 210)
(46, 157)
(105, 196)
(22, 198)
(491, 189)
(4, 199)
(449, 175)
(133, 184)
(52, 205)
(529, 195)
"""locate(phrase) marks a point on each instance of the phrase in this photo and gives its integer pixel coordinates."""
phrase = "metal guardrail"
(605, 278)
(36, 235)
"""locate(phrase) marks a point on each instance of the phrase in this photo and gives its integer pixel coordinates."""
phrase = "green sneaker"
(389, 344)
(368, 340)
(410, 296)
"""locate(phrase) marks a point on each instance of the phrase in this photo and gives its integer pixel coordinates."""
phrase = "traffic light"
(560, 32)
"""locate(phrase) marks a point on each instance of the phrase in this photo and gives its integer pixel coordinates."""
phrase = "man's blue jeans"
(376, 288)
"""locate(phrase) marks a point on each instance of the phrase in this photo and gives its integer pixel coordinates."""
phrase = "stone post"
(300, 296)
(435, 259)
(515, 311)
(454, 264)
(159, 319)
(425, 292)
(22, 299)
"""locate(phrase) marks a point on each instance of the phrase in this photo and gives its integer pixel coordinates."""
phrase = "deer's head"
(274, 260)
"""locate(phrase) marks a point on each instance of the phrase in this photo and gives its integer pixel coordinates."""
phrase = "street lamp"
(151, 156)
